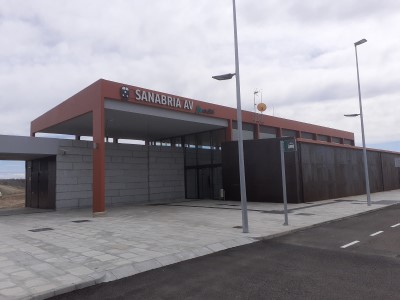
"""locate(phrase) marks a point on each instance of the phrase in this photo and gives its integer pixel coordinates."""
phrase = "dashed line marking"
(376, 233)
(349, 244)
(395, 225)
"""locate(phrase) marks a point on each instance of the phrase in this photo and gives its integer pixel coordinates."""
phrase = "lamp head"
(360, 42)
(224, 76)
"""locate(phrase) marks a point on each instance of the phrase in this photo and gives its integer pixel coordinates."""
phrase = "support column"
(98, 201)
(228, 132)
(257, 131)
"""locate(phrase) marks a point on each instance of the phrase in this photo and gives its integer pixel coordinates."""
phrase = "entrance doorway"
(41, 183)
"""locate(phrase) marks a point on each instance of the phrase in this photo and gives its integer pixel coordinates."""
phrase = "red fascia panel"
(111, 90)
(81, 103)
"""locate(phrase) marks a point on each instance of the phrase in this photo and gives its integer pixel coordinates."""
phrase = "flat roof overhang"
(139, 122)
(26, 148)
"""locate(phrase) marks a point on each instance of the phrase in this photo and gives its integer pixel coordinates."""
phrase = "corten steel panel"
(391, 174)
(330, 171)
(262, 171)
(375, 171)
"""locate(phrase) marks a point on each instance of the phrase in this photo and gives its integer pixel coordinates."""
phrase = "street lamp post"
(243, 196)
(362, 126)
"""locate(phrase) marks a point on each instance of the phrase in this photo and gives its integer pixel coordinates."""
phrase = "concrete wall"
(74, 174)
(134, 174)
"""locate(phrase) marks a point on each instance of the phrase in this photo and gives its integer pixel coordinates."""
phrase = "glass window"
(322, 137)
(288, 132)
(217, 138)
(247, 131)
(176, 142)
(335, 140)
(267, 132)
(204, 148)
(190, 150)
(347, 142)
(307, 135)
(166, 143)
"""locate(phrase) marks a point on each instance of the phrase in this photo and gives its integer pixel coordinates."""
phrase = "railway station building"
(187, 152)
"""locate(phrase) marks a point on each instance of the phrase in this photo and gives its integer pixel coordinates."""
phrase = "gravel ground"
(12, 197)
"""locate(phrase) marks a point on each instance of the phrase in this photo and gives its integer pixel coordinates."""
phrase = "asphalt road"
(324, 262)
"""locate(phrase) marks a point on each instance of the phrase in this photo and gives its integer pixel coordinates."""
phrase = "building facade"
(182, 152)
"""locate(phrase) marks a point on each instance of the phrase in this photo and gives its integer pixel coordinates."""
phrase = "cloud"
(300, 53)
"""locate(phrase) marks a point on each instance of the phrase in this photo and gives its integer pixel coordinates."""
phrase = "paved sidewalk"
(45, 254)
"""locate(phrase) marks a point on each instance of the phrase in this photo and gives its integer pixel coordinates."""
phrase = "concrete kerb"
(290, 231)
(94, 279)
(159, 262)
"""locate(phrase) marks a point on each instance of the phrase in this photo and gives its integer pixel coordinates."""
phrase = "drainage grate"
(41, 229)
(238, 227)
(81, 221)
(276, 212)
(305, 214)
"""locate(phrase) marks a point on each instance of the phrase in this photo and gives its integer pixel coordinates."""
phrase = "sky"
(300, 54)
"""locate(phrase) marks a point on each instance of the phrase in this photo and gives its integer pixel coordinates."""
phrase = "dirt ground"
(11, 196)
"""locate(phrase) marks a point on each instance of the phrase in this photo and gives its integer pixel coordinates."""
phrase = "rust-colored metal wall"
(391, 176)
(317, 171)
(262, 171)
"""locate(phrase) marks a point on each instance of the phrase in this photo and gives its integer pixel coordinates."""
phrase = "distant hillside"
(18, 183)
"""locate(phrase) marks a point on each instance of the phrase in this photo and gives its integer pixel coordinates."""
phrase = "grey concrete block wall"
(74, 174)
(134, 174)
(166, 174)
(126, 174)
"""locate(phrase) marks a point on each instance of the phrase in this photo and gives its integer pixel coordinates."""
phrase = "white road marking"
(395, 225)
(376, 233)
(349, 244)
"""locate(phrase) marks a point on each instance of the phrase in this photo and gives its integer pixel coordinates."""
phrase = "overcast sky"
(299, 53)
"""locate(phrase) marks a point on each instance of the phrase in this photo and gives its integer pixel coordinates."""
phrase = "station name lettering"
(156, 98)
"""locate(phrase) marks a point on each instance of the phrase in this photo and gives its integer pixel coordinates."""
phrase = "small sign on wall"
(397, 162)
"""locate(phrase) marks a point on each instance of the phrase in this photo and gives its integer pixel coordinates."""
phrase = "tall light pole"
(243, 196)
(362, 126)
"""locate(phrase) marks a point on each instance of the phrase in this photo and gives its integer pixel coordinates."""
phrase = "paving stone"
(14, 292)
(128, 255)
(80, 271)
(23, 274)
(43, 288)
(36, 282)
(6, 284)
(105, 257)
(6, 263)
(92, 253)
(68, 279)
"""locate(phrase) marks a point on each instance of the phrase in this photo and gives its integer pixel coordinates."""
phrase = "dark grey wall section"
(263, 172)
(315, 172)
